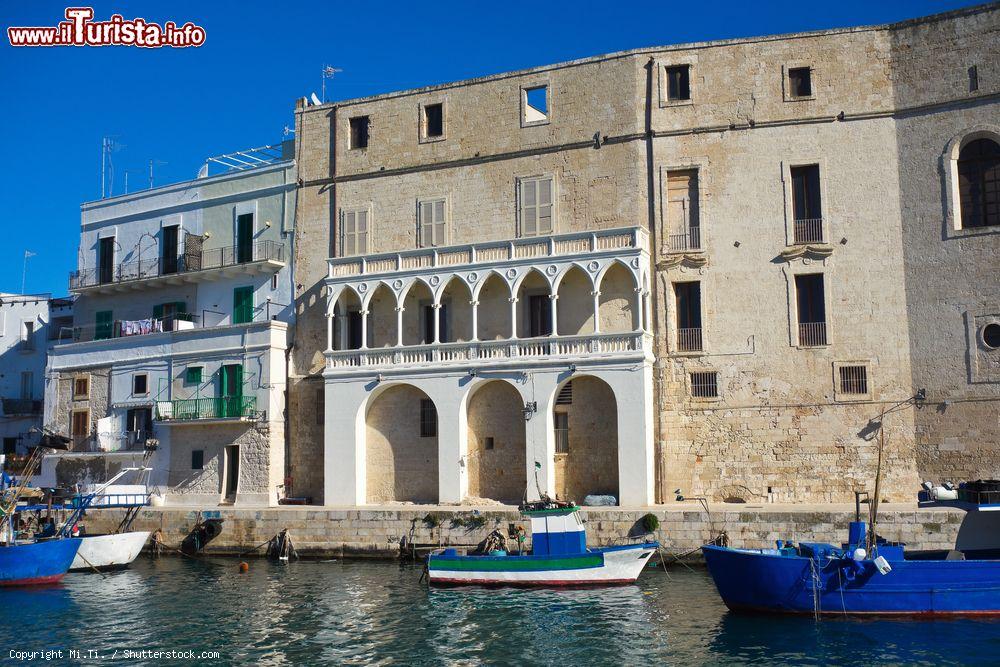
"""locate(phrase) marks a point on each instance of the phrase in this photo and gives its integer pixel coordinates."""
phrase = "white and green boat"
(559, 557)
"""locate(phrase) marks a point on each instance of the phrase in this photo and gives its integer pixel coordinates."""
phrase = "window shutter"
(158, 311)
(362, 232)
(545, 206)
(348, 232)
(439, 223)
(529, 208)
(426, 224)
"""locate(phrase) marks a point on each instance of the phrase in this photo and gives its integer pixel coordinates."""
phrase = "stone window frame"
(689, 371)
(367, 208)
(949, 166)
(348, 133)
(976, 320)
(663, 90)
(842, 397)
(701, 165)
(786, 92)
(670, 306)
(808, 266)
(419, 223)
(824, 198)
(422, 125)
(519, 228)
(84, 396)
(523, 101)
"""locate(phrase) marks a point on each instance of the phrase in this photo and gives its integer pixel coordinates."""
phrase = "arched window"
(979, 183)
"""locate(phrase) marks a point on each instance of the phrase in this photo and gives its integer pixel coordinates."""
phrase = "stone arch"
(575, 306)
(381, 309)
(493, 294)
(585, 421)
(346, 313)
(617, 310)
(534, 305)
(497, 442)
(950, 164)
(401, 456)
(456, 297)
(417, 300)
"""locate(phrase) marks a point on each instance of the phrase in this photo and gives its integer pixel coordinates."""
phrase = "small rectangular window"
(433, 120)
(80, 423)
(807, 205)
(853, 380)
(428, 418)
(359, 132)
(197, 459)
(705, 384)
(193, 375)
(535, 105)
(488, 443)
(973, 79)
(800, 82)
(432, 223)
(809, 296)
(27, 385)
(354, 232)
(688, 302)
(81, 388)
(561, 424)
(678, 82)
(140, 384)
(683, 210)
(536, 206)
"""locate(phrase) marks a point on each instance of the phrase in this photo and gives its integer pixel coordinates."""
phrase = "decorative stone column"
(554, 300)
(513, 317)
(475, 320)
(399, 326)
(364, 329)
(597, 311)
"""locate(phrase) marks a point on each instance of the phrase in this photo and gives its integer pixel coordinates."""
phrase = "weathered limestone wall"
(377, 532)
(96, 401)
(499, 473)
(401, 465)
(591, 464)
(952, 276)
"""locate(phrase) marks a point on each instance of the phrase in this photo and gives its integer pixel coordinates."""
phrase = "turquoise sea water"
(361, 613)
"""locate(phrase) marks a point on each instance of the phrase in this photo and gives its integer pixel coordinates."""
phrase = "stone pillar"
(364, 329)
(344, 432)
(597, 311)
(399, 326)
(639, 309)
(329, 332)
(633, 389)
(475, 320)
(513, 317)
(436, 308)
(554, 300)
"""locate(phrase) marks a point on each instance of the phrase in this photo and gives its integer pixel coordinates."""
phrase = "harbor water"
(364, 612)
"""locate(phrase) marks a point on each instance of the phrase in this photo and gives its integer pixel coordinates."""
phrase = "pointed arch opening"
(347, 321)
(382, 328)
(456, 311)
(494, 309)
(534, 306)
(418, 315)
(618, 308)
(575, 308)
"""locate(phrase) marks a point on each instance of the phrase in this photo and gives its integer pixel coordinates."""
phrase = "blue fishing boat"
(861, 577)
(559, 556)
(42, 562)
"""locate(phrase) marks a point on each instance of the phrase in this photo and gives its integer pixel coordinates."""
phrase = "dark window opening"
(679, 82)
(354, 330)
(359, 132)
(428, 323)
(853, 380)
(428, 418)
(81, 387)
(811, 309)
(991, 335)
(140, 384)
(434, 120)
(138, 425)
(705, 384)
(103, 325)
(800, 81)
(688, 300)
(973, 79)
(565, 396)
(10, 446)
(979, 183)
(561, 424)
(197, 459)
(807, 209)
(244, 238)
(539, 315)
(168, 249)
(106, 259)
(488, 443)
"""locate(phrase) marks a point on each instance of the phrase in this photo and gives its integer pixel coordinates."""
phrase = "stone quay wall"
(376, 533)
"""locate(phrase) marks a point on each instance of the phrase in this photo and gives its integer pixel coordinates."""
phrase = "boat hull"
(36, 563)
(596, 567)
(109, 551)
(764, 581)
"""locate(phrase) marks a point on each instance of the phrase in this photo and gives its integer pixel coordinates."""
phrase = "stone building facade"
(802, 270)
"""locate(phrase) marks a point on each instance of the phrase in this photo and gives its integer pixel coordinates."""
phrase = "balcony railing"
(689, 340)
(21, 406)
(686, 240)
(493, 350)
(156, 267)
(194, 409)
(812, 334)
(808, 230)
(130, 441)
(497, 251)
(180, 322)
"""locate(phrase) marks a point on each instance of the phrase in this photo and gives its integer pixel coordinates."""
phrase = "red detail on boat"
(527, 584)
(33, 581)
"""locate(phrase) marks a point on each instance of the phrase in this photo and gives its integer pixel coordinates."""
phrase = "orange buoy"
(244, 567)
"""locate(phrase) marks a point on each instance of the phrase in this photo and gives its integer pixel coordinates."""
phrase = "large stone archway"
(585, 420)
(496, 453)
(401, 448)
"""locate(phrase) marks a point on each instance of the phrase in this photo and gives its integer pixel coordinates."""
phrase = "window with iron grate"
(705, 384)
(853, 380)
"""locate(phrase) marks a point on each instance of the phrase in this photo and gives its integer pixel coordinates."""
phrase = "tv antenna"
(328, 72)
(151, 164)
(109, 144)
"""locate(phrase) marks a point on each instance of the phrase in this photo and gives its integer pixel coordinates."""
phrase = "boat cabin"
(557, 531)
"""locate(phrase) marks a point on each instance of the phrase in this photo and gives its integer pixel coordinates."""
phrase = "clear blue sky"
(179, 106)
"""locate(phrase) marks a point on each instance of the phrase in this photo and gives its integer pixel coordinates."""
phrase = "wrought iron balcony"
(689, 340)
(689, 239)
(177, 268)
(812, 334)
(21, 406)
(200, 409)
(808, 230)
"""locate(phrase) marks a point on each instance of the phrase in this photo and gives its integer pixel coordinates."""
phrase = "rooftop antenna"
(108, 146)
(127, 172)
(24, 270)
(328, 72)
(151, 163)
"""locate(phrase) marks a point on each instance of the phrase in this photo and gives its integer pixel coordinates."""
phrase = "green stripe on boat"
(515, 564)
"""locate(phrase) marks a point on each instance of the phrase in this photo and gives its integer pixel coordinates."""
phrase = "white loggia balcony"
(558, 298)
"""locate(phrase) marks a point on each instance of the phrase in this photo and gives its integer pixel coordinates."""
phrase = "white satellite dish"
(315, 100)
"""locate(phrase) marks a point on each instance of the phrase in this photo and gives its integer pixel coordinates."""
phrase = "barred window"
(565, 396)
(428, 418)
(853, 380)
(705, 384)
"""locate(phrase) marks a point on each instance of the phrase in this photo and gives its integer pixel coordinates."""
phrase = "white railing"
(493, 350)
(526, 248)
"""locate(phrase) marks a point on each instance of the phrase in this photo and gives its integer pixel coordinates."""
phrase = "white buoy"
(860, 553)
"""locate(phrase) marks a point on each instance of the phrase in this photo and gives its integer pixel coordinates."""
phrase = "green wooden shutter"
(158, 311)
(104, 325)
(244, 238)
(242, 305)
(230, 391)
